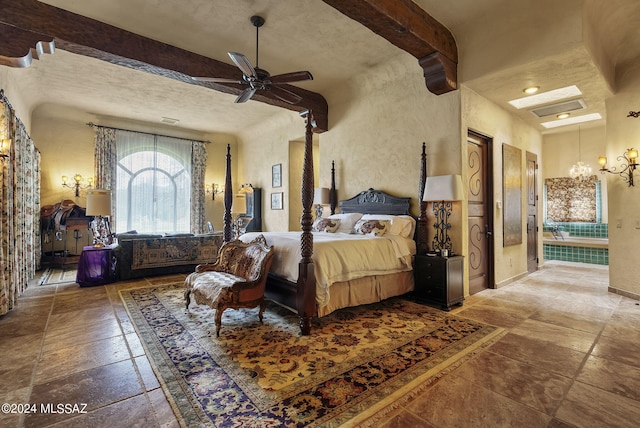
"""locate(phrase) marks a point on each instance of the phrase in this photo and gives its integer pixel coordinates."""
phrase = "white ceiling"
(503, 46)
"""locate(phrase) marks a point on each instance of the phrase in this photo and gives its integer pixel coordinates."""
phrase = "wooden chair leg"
(219, 320)
(263, 306)
(187, 297)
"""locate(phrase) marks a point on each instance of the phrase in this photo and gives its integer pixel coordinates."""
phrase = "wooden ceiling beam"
(81, 35)
(410, 28)
(25, 46)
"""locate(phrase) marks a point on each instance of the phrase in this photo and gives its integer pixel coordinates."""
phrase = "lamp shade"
(239, 205)
(246, 188)
(444, 188)
(321, 196)
(98, 202)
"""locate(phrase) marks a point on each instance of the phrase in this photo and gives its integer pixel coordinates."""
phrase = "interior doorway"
(532, 212)
(480, 196)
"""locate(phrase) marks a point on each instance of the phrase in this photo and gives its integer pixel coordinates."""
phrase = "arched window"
(153, 183)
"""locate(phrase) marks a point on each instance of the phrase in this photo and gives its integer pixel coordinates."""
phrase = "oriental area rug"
(356, 363)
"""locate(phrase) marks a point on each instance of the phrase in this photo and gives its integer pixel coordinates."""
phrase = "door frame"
(532, 265)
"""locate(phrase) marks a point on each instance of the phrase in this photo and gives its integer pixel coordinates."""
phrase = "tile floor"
(570, 357)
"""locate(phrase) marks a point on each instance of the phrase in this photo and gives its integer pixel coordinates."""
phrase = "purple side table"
(96, 266)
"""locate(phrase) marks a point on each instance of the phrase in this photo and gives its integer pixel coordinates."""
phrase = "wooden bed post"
(422, 236)
(333, 195)
(306, 286)
(228, 198)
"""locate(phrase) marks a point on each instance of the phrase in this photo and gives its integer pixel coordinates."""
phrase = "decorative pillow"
(347, 221)
(372, 227)
(401, 225)
(329, 225)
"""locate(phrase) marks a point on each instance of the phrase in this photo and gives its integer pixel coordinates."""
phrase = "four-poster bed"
(386, 259)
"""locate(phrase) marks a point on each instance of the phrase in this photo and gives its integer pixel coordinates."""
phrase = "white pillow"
(329, 225)
(347, 221)
(401, 225)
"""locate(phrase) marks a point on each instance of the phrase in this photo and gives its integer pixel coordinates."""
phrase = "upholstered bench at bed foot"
(236, 280)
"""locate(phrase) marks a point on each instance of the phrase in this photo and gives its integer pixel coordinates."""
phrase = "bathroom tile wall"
(598, 256)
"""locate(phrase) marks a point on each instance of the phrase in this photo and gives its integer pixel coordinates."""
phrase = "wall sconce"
(628, 165)
(213, 189)
(77, 183)
(442, 191)
(4, 148)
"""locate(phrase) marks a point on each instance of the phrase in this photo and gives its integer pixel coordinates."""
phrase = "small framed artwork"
(276, 175)
(276, 201)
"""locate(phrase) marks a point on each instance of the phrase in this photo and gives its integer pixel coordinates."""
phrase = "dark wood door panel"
(480, 222)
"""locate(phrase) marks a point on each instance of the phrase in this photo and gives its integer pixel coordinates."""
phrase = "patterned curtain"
(19, 209)
(198, 168)
(105, 164)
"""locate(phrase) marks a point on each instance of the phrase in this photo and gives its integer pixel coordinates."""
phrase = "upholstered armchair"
(235, 280)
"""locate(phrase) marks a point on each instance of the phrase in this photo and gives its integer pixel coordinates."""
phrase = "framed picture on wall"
(276, 175)
(276, 201)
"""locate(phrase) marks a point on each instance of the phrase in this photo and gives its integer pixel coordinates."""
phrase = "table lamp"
(239, 211)
(320, 198)
(99, 207)
(442, 191)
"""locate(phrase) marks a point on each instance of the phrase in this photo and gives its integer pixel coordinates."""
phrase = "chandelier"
(580, 170)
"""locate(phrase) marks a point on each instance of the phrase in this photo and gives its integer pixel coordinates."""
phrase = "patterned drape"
(105, 163)
(19, 209)
(198, 168)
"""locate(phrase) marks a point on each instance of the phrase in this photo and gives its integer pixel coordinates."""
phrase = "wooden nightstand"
(439, 280)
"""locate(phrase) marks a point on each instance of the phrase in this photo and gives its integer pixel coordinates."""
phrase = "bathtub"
(576, 249)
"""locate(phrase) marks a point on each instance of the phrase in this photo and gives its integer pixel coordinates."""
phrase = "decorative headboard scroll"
(375, 202)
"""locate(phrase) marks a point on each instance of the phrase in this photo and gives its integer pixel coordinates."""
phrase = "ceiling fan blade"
(245, 95)
(243, 64)
(296, 76)
(218, 80)
(285, 95)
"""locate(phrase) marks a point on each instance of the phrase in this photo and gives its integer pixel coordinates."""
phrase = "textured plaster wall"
(263, 146)
(517, 38)
(624, 201)
(483, 116)
(13, 91)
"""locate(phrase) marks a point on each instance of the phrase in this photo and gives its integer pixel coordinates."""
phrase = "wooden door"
(480, 197)
(532, 213)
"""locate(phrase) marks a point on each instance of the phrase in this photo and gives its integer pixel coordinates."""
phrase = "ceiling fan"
(259, 79)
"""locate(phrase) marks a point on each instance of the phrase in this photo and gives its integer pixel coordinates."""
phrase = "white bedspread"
(339, 256)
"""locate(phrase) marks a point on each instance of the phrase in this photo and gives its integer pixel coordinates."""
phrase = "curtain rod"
(4, 99)
(93, 125)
